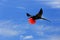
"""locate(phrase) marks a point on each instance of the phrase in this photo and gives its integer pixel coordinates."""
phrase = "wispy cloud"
(53, 4)
(45, 31)
(28, 37)
(50, 32)
(51, 37)
(8, 28)
(8, 32)
(50, 3)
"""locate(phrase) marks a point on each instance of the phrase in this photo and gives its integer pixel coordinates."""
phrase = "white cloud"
(50, 32)
(28, 37)
(8, 32)
(44, 30)
(54, 37)
(51, 3)
(6, 24)
(8, 28)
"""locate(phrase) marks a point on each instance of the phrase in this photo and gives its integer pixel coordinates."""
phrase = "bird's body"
(32, 19)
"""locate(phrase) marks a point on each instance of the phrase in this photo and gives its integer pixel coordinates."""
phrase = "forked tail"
(46, 19)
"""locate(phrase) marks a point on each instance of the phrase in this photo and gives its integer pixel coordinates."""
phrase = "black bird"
(37, 16)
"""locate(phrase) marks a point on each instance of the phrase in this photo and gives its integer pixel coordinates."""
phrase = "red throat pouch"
(31, 21)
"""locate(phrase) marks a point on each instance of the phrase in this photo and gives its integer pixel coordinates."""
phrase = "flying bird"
(32, 19)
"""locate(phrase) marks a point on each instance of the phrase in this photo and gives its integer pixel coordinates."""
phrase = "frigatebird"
(32, 19)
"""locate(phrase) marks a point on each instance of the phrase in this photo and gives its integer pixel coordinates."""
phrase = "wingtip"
(28, 14)
(41, 8)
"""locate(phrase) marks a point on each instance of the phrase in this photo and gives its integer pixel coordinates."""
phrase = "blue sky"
(14, 22)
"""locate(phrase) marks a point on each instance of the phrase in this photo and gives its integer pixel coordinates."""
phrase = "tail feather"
(46, 19)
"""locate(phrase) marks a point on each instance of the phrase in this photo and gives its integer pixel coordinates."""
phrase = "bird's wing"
(28, 14)
(39, 13)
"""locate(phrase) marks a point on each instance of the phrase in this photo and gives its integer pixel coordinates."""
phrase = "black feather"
(28, 14)
(39, 13)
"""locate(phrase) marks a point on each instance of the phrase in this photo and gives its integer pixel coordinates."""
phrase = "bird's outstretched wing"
(28, 14)
(39, 14)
